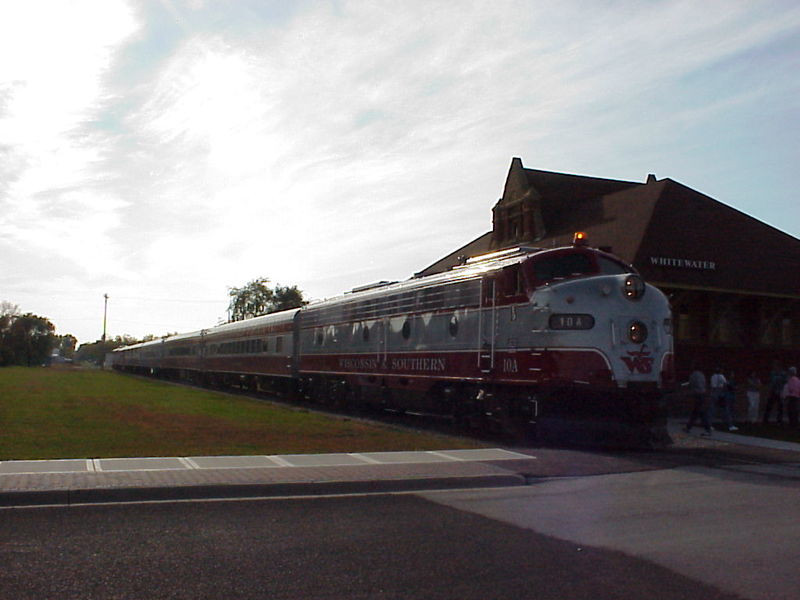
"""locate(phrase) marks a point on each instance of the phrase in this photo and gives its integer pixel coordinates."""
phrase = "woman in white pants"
(753, 397)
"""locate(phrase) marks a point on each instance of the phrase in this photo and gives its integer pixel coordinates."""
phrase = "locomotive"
(568, 343)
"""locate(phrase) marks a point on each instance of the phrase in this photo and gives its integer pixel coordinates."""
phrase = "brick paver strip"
(105, 486)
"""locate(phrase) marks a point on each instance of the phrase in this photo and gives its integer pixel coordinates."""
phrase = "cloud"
(51, 80)
(172, 149)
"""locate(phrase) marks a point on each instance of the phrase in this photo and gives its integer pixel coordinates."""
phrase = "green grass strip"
(83, 413)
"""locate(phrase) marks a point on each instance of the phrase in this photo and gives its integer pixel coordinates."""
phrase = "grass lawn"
(80, 413)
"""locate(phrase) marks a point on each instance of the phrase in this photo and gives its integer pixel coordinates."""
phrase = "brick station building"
(733, 281)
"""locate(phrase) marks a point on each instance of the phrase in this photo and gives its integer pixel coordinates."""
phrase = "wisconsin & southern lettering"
(431, 365)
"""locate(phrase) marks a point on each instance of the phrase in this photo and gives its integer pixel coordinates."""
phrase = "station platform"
(675, 427)
(114, 480)
(97, 480)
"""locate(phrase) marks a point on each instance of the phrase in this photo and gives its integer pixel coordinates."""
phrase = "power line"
(168, 300)
(78, 294)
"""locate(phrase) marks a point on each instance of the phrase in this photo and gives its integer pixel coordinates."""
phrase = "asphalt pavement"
(712, 518)
(392, 546)
(99, 480)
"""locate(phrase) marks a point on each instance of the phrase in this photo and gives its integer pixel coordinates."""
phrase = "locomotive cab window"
(611, 267)
(562, 266)
(511, 282)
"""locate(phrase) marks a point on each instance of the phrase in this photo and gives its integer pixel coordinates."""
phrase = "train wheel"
(386, 397)
(352, 402)
(324, 392)
(519, 430)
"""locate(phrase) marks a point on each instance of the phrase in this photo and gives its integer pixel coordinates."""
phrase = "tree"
(256, 298)
(8, 312)
(285, 298)
(251, 300)
(28, 339)
(25, 339)
(8, 309)
(96, 351)
(65, 344)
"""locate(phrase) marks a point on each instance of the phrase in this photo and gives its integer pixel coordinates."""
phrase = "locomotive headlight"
(637, 332)
(633, 288)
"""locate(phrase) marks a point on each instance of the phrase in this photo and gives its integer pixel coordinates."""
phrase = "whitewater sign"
(683, 263)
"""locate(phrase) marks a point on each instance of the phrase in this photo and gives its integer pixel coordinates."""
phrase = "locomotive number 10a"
(571, 321)
(509, 365)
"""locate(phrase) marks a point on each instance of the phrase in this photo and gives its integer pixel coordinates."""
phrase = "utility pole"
(105, 315)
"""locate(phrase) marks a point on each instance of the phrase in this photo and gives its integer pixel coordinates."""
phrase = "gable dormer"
(517, 216)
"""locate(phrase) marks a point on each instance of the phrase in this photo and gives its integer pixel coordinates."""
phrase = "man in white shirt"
(718, 386)
(697, 388)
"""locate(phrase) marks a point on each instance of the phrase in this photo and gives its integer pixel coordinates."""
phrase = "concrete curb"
(69, 497)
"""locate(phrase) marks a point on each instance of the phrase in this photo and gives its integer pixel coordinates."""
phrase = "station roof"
(674, 235)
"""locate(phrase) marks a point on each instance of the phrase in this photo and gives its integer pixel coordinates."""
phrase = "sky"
(162, 152)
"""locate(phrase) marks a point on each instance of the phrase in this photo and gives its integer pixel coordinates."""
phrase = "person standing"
(718, 387)
(753, 397)
(728, 401)
(777, 379)
(792, 396)
(697, 390)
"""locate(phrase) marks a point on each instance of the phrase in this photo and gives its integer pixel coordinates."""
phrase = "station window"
(725, 330)
(683, 331)
(786, 332)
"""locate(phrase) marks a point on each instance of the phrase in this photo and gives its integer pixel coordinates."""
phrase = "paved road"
(707, 519)
(395, 546)
(685, 532)
(735, 528)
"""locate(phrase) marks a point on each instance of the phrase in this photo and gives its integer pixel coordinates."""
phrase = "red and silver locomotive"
(569, 340)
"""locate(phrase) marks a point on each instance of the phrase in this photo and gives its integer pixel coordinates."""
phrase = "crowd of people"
(716, 397)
